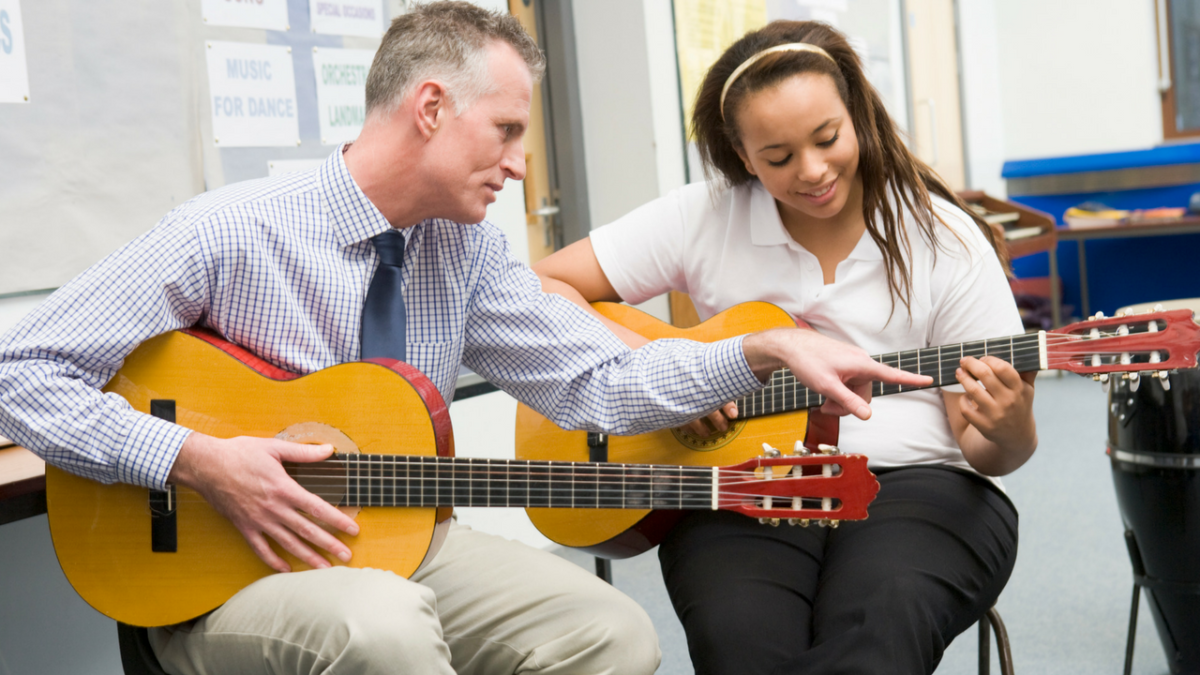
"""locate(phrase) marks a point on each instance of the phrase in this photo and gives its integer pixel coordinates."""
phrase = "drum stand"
(1142, 580)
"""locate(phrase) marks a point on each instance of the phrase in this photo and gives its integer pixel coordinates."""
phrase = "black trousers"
(883, 595)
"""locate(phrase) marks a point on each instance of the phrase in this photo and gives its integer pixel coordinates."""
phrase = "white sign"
(276, 167)
(347, 17)
(252, 95)
(268, 14)
(14, 77)
(341, 91)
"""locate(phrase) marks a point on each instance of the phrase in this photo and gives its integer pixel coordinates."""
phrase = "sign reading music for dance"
(347, 17)
(14, 76)
(268, 14)
(341, 91)
(252, 95)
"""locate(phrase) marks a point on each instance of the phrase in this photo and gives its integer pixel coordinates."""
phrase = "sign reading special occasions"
(252, 95)
(14, 76)
(268, 14)
(341, 91)
(363, 18)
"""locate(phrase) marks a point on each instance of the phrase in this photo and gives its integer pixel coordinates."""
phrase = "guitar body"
(621, 533)
(102, 533)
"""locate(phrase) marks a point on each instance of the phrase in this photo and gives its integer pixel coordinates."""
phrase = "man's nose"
(513, 162)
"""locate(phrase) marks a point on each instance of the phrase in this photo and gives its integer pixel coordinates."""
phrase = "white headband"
(790, 47)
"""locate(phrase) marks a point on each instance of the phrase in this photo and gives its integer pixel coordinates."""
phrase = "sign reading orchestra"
(347, 17)
(252, 95)
(268, 14)
(14, 77)
(341, 91)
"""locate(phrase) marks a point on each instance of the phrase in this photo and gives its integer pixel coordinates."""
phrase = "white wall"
(1076, 76)
(982, 100)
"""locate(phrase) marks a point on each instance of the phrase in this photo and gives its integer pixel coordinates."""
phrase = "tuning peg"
(769, 452)
(1105, 383)
(1135, 380)
(828, 449)
(799, 449)
(1157, 308)
(834, 523)
(802, 522)
(1096, 317)
(1165, 378)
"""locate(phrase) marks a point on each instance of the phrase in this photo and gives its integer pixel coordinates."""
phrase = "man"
(288, 267)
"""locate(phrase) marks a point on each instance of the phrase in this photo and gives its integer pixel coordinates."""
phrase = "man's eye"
(781, 162)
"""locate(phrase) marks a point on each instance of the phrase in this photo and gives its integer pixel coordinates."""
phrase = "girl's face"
(798, 139)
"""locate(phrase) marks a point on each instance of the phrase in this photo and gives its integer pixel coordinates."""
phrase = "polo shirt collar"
(351, 215)
(766, 227)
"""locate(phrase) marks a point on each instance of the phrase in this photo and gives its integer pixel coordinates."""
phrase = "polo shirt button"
(811, 267)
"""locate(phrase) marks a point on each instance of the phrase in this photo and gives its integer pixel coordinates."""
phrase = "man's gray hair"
(446, 41)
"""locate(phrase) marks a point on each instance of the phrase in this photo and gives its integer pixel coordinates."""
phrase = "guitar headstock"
(1131, 343)
(825, 487)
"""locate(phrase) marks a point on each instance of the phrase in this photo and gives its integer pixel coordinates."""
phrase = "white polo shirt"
(729, 246)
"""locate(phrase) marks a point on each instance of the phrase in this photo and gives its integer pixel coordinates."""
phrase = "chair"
(993, 619)
(137, 657)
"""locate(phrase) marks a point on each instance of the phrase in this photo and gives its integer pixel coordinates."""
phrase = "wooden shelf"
(1046, 241)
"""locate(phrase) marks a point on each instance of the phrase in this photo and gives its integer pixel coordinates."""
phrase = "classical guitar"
(777, 414)
(150, 558)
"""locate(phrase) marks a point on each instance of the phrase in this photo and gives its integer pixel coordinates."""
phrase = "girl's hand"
(993, 420)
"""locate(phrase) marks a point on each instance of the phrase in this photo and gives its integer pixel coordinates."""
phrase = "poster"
(703, 30)
(363, 18)
(268, 14)
(14, 76)
(341, 91)
(252, 95)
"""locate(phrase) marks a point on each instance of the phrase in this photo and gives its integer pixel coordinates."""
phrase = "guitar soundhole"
(708, 443)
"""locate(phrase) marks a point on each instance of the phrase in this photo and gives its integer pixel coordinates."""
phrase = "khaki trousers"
(485, 606)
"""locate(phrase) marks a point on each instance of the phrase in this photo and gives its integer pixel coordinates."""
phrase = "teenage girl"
(817, 206)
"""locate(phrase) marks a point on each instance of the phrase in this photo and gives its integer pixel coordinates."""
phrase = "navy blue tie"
(383, 312)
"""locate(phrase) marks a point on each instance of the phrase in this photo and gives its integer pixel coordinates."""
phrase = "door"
(541, 208)
(933, 76)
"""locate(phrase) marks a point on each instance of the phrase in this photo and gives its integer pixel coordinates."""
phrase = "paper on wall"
(347, 17)
(341, 91)
(268, 14)
(14, 75)
(252, 95)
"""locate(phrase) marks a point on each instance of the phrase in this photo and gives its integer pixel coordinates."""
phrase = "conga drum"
(1154, 446)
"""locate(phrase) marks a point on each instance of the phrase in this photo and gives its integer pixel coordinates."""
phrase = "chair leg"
(1003, 647)
(985, 647)
(604, 569)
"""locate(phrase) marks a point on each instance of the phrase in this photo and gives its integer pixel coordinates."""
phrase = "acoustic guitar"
(777, 415)
(150, 558)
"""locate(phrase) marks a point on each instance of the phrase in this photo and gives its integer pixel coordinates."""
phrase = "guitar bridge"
(163, 527)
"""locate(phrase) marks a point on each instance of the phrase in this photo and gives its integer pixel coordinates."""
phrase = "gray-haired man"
(284, 267)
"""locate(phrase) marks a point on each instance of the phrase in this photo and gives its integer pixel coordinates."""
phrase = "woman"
(818, 207)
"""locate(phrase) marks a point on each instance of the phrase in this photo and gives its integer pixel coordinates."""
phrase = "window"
(1179, 66)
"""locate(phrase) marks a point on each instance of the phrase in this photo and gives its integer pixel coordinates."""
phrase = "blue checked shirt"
(281, 266)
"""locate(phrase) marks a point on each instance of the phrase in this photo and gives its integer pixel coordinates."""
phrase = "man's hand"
(840, 372)
(244, 480)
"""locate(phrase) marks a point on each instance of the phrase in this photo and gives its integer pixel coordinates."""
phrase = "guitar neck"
(420, 481)
(784, 393)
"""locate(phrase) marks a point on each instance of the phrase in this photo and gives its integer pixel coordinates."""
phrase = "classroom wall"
(1076, 76)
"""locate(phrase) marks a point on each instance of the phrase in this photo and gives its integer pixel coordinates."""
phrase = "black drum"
(1154, 444)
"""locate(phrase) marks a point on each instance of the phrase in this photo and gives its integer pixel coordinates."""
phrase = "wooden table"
(22, 483)
(1155, 228)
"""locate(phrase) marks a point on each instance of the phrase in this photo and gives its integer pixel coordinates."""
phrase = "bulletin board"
(117, 126)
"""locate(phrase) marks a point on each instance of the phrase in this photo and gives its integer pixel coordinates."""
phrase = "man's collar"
(351, 214)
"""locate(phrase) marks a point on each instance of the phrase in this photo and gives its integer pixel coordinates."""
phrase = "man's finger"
(258, 544)
(848, 400)
(892, 375)
(292, 544)
(317, 535)
(327, 513)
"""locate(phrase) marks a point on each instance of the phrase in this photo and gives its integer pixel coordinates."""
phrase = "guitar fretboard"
(784, 393)
(405, 480)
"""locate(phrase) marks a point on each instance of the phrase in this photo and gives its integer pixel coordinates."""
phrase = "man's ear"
(430, 107)
(741, 152)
